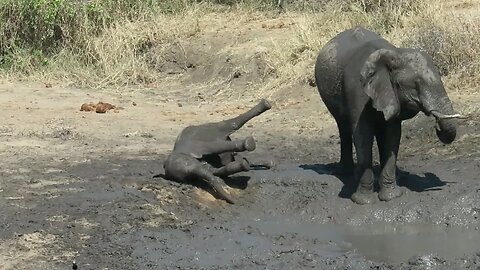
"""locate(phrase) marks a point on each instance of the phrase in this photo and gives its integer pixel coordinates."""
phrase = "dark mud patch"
(112, 213)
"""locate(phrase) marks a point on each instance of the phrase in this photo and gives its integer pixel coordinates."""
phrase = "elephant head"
(401, 78)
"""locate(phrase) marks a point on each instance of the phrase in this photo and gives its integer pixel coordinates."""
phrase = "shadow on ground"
(414, 182)
(417, 183)
(349, 186)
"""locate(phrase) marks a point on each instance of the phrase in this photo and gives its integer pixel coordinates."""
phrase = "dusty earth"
(78, 186)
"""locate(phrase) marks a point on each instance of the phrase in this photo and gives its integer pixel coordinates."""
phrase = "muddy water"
(383, 242)
(275, 243)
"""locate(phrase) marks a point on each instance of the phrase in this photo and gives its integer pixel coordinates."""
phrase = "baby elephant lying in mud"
(207, 152)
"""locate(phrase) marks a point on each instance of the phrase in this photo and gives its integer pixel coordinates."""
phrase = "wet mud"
(113, 214)
(93, 198)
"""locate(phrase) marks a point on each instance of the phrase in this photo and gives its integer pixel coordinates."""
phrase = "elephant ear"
(376, 81)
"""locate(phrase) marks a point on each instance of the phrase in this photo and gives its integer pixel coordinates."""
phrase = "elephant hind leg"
(231, 125)
(232, 168)
(346, 149)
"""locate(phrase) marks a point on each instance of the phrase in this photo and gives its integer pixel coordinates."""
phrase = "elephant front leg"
(214, 181)
(363, 141)
(390, 142)
(181, 167)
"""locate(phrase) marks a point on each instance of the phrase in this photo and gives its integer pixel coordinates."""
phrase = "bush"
(454, 47)
(47, 25)
(118, 42)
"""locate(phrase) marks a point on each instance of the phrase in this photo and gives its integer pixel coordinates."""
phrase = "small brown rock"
(87, 107)
(103, 107)
(100, 107)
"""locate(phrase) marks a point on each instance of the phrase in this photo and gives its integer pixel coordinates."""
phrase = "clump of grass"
(454, 46)
(451, 42)
(121, 55)
(95, 43)
(294, 61)
(122, 42)
(48, 26)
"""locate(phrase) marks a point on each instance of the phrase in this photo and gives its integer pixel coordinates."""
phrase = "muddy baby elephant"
(208, 153)
(370, 87)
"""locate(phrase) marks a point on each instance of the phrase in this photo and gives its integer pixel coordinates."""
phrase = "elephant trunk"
(441, 108)
(446, 130)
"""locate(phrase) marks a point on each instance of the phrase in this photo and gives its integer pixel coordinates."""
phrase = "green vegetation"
(109, 42)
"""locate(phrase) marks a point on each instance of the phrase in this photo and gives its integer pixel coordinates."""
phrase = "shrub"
(48, 25)
(453, 45)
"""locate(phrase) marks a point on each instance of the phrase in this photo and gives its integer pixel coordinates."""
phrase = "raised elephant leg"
(214, 181)
(231, 125)
(388, 145)
(232, 168)
(363, 141)
(220, 146)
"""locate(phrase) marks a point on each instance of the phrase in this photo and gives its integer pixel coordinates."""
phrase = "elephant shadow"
(349, 182)
(413, 182)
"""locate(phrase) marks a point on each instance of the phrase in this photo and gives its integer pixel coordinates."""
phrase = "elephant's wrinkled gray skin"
(370, 86)
(207, 152)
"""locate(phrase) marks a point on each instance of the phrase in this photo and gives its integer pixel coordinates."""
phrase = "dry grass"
(128, 52)
(453, 42)
(118, 56)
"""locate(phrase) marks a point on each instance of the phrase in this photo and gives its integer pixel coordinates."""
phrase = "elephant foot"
(249, 144)
(389, 193)
(223, 194)
(228, 198)
(363, 197)
(245, 165)
(269, 164)
(262, 164)
(265, 105)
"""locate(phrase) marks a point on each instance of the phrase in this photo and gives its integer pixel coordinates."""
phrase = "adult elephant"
(370, 86)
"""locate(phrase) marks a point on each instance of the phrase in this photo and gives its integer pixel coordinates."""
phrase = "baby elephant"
(207, 152)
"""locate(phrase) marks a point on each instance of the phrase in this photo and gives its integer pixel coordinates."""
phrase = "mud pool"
(384, 242)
